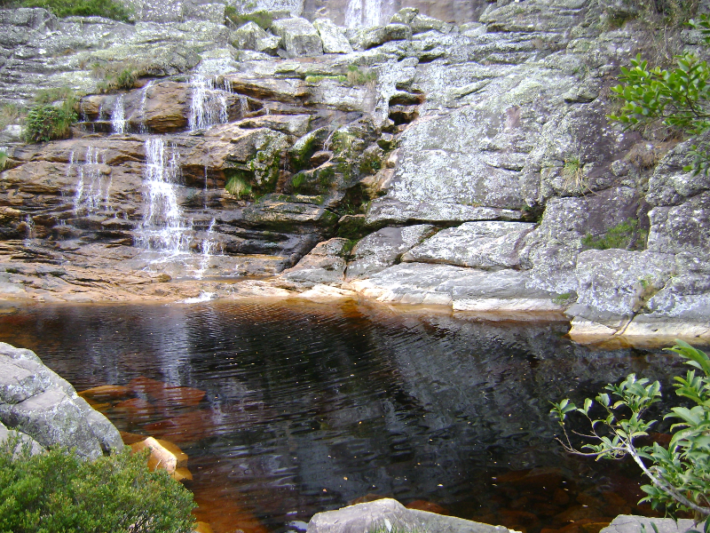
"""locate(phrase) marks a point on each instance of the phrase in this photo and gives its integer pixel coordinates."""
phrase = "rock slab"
(37, 402)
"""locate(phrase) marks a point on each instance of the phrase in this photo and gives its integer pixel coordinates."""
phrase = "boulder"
(299, 37)
(252, 37)
(379, 35)
(405, 15)
(613, 285)
(681, 228)
(485, 245)
(632, 524)
(333, 37)
(388, 514)
(21, 438)
(422, 23)
(323, 265)
(39, 403)
(383, 248)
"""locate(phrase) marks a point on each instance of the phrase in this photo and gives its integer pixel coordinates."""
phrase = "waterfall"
(368, 13)
(93, 190)
(118, 116)
(208, 246)
(162, 227)
(205, 192)
(29, 221)
(243, 105)
(141, 109)
(209, 104)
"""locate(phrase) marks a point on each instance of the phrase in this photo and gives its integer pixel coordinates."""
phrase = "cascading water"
(368, 13)
(209, 104)
(141, 109)
(162, 228)
(208, 246)
(118, 116)
(93, 190)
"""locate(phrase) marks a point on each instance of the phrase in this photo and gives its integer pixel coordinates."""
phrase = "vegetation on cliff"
(57, 491)
(72, 8)
(680, 473)
(52, 116)
(679, 97)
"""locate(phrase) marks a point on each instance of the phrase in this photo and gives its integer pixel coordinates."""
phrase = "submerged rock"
(389, 514)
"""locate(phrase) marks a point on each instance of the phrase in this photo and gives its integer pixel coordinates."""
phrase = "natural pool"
(310, 406)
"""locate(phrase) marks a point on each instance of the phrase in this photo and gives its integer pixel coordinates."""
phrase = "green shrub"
(679, 97)
(679, 474)
(118, 75)
(626, 235)
(46, 122)
(261, 18)
(238, 186)
(83, 8)
(58, 492)
(52, 115)
(3, 159)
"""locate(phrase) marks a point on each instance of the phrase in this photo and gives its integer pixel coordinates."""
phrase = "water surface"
(309, 407)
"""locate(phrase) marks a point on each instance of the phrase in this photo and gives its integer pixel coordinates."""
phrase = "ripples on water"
(309, 407)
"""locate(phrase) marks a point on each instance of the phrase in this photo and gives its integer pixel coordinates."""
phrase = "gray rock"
(252, 37)
(405, 15)
(551, 250)
(422, 23)
(379, 35)
(36, 401)
(462, 289)
(616, 284)
(298, 37)
(681, 228)
(382, 248)
(634, 524)
(389, 514)
(323, 265)
(333, 37)
(22, 440)
(485, 245)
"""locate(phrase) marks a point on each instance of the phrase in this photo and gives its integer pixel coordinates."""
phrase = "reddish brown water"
(309, 407)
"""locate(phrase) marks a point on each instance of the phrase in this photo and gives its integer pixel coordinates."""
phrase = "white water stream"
(208, 106)
(118, 116)
(93, 190)
(163, 227)
(368, 13)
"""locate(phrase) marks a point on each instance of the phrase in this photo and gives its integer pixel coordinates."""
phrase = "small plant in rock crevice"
(77, 8)
(52, 115)
(264, 19)
(626, 235)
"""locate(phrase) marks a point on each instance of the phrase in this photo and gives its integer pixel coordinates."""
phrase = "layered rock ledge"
(418, 162)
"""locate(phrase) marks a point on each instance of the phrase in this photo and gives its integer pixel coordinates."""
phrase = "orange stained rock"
(202, 527)
(103, 393)
(423, 505)
(223, 512)
(165, 394)
(187, 427)
(131, 438)
(163, 454)
(135, 410)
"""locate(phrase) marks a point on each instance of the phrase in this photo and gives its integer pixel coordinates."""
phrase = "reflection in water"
(308, 407)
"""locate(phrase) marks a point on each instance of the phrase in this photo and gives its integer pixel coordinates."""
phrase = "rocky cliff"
(419, 162)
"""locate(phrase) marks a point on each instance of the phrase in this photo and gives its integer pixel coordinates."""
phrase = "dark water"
(309, 407)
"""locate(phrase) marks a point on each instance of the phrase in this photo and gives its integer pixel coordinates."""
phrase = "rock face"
(472, 164)
(390, 514)
(38, 403)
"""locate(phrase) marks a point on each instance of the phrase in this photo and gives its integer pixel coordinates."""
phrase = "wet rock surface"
(493, 136)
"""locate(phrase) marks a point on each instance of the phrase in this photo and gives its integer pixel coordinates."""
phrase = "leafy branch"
(679, 474)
